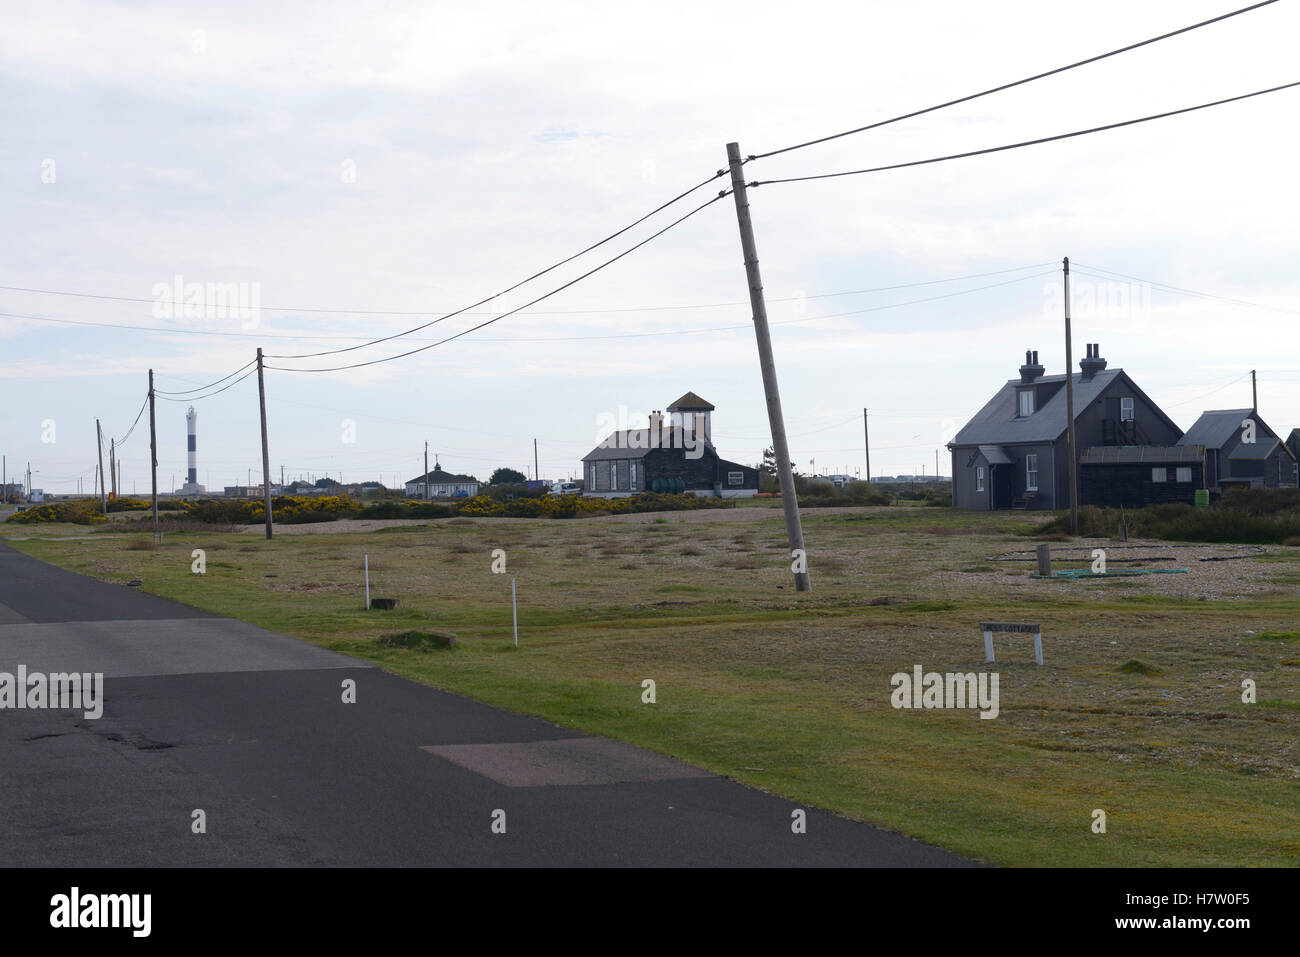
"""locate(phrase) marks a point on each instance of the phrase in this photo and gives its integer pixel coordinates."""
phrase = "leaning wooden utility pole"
(866, 444)
(99, 436)
(153, 454)
(1069, 409)
(789, 498)
(266, 453)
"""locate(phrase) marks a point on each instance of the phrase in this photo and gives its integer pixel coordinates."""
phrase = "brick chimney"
(1031, 370)
(656, 429)
(1092, 363)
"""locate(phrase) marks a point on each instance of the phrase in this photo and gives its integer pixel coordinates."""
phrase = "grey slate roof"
(996, 423)
(1256, 451)
(1213, 429)
(439, 477)
(691, 402)
(1133, 454)
(995, 455)
(635, 443)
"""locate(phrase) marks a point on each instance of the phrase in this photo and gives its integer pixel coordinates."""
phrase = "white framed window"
(631, 472)
(1126, 408)
(1031, 473)
(979, 478)
(1026, 403)
(613, 476)
(735, 478)
(1160, 475)
(1183, 475)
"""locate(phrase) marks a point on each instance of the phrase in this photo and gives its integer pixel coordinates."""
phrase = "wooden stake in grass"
(367, 583)
(514, 610)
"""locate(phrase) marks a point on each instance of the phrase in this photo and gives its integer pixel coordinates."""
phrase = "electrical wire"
(707, 305)
(379, 312)
(536, 275)
(558, 289)
(1013, 146)
(210, 394)
(122, 441)
(1008, 86)
(1096, 271)
(1206, 395)
(202, 388)
(539, 312)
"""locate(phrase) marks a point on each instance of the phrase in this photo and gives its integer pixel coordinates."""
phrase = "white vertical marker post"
(514, 610)
(367, 583)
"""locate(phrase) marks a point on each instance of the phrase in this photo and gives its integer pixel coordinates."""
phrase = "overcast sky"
(419, 157)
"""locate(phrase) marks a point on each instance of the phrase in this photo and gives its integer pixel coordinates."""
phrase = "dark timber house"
(1137, 475)
(1241, 451)
(677, 456)
(1014, 452)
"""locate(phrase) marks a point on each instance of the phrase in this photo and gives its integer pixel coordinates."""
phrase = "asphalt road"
(250, 727)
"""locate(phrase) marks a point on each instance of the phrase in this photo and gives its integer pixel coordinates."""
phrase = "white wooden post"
(1038, 647)
(988, 646)
(514, 610)
(367, 583)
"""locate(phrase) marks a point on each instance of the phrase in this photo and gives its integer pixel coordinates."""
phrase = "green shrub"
(1244, 517)
(80, 512)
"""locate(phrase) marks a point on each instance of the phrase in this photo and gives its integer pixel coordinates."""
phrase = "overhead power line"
(380, 312)
(1100, 273)
(540, 312)
(203, 388)
(1014, 146)
(1008, 86)
(144, 405)
(196, 398)
(536, 275)
(556, 290)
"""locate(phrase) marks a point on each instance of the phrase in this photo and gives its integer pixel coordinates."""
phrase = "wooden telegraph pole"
(426, 470)
(789, 499)
(99, 435)
(1069, 409)
(153, 454)
(266, 454)
(866, 443)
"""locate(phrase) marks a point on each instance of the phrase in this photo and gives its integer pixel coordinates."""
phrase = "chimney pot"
(1093, 362)
(1031, 370)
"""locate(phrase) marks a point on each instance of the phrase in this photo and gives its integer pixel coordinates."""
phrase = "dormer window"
(1026, 403)
(1126, 408)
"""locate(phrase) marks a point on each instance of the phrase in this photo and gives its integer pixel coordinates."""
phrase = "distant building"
(1233, 461)
(249, 491)
(1014, 453)
(676, 454)
(443, 485)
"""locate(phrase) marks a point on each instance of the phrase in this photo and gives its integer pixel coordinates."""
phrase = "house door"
(1003, 485)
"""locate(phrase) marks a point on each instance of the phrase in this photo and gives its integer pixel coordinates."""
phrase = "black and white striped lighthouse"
(192, 486)
(191, 422)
